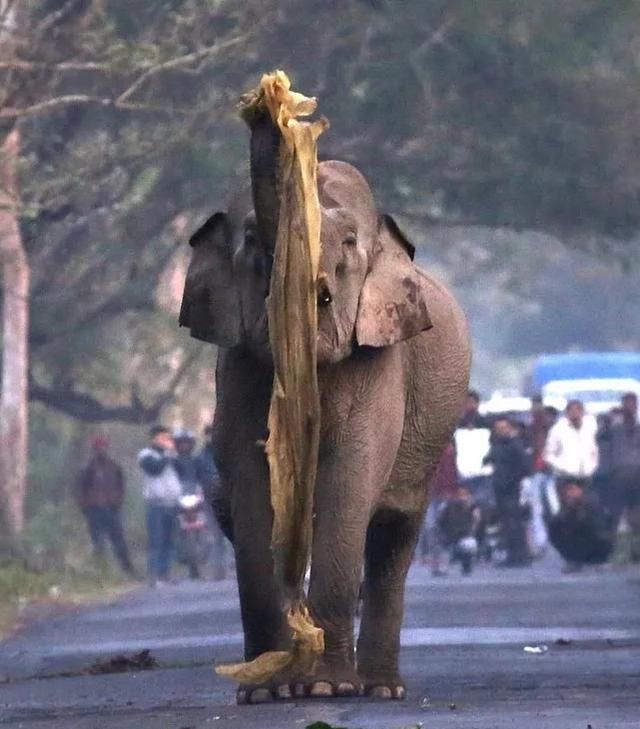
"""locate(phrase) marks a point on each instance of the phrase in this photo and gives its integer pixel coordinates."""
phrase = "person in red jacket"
(99, 493)
(443, 487)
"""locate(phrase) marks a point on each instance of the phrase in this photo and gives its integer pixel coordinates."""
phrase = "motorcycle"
(194, 543)
(457, 524)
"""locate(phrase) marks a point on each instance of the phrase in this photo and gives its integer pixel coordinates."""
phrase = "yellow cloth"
(294, 414)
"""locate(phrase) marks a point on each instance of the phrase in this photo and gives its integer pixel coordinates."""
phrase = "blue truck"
(598, 379)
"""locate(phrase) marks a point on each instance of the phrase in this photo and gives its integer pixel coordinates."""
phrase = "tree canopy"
(500, 114)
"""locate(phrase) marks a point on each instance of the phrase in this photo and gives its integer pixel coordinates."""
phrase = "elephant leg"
(333, 593)
(221, 509)
(391, 541)
(340, 523)
(263, 620)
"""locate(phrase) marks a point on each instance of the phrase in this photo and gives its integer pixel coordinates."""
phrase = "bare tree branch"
(48, 104)
(208, 53)
(52, 19)
(176, 379)
(64, 66)
(43, 107)
(90, 409)
(117, 303)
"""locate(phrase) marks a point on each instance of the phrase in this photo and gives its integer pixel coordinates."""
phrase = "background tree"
(493, 130)
(15, 317)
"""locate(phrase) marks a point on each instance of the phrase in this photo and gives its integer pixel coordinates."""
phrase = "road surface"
(463, 657)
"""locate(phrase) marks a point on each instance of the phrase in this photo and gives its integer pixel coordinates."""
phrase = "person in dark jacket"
(99, 493)
(471, 417)
(624, 454)
(193, 554)
(186, 462)
(582, 531)
(510, 466)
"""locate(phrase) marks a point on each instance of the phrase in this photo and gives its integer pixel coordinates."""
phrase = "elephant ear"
(210, 302)
(392, 304)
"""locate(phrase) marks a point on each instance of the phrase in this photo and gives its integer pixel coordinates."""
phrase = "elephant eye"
(250, 237)
(350, 240)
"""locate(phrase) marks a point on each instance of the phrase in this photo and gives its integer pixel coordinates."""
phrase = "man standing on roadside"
(510, 466)
(99, 493)
(161, 490)
(471, 417)
(577, 530)
(571, 449)
(472, 442)
(624, 451)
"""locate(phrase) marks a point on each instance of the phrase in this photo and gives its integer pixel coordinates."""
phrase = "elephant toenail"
(400, 693)
(321, 689)
(347, 689)
(260, 696)
(299, 691)
(380, 692)
(241, 698)
(283, 692)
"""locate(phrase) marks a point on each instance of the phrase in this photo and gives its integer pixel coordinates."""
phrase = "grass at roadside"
(26, 594)
(51, 568)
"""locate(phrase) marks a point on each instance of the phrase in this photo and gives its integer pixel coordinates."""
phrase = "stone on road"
(463, 657)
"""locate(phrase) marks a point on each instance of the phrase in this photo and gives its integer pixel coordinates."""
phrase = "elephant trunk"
(265, 153)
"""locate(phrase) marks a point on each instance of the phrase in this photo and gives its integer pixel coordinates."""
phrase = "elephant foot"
(325, 682)
(263, 693)
(385, 687)
(328, 682)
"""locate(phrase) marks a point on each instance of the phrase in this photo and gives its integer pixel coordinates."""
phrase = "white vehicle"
(505, 402)
(599, 395)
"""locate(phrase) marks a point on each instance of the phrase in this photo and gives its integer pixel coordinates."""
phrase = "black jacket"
(510, 465)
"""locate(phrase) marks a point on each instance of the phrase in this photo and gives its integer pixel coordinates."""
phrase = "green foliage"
(498, 114)
(16, 581)
(495, 115)
(21, 584)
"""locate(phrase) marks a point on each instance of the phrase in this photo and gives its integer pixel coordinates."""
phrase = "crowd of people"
(177, 484)
(507, 485)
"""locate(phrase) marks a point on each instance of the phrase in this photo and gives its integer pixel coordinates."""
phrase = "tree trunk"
(15, 319)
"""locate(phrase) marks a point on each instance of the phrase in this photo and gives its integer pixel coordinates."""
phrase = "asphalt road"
(463, 658)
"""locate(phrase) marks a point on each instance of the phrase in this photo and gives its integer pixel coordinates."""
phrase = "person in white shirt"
(571, 450)
(579, 529)
(161, 490)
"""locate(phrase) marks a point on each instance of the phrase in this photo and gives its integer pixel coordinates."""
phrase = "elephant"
(393, 369)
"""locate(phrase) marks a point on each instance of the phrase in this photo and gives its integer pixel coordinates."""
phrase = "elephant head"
(369, 291)
(228, 279)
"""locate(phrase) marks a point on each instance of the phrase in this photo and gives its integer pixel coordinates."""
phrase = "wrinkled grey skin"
(393, 370)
